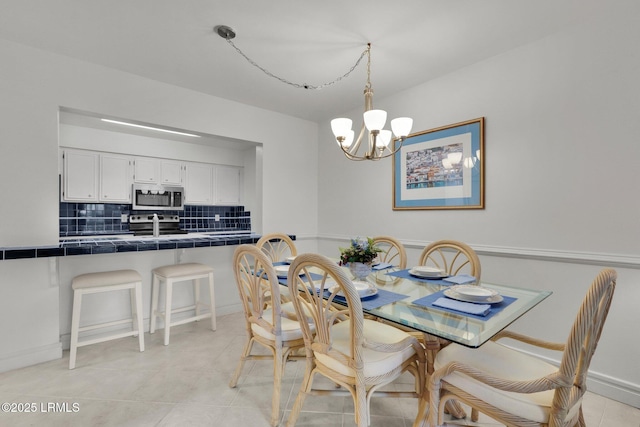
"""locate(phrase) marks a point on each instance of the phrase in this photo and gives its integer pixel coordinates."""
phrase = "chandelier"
(378, 139)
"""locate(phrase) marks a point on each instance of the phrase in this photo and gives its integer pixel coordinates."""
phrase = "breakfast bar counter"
(97, 244)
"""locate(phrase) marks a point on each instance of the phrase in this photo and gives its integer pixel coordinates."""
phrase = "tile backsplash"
(106, 218)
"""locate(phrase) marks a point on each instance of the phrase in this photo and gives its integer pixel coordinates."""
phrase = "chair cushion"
(503, 362)
(179, 270)
(105, 278)
(290, 328)
(376, 363)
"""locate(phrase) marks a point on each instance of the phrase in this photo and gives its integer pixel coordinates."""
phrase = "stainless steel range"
(155, 224)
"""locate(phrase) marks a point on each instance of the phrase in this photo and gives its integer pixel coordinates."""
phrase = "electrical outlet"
(217, 217)
(124, 218)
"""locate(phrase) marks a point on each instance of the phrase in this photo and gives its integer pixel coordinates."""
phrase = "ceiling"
(306, 42)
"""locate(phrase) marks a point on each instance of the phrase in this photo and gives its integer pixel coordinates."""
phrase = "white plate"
(281, 270)
(478, 295)
(289, 259)
(427, 272)
(364, 289)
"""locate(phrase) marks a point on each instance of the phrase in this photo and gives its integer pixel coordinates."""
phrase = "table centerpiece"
(359, 257)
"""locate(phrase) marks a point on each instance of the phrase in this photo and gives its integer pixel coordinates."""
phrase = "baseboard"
(29, 357)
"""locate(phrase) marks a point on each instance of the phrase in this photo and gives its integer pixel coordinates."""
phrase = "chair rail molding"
(613, 260)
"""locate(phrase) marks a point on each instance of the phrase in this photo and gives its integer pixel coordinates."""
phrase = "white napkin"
(460, 279)
(464, 307)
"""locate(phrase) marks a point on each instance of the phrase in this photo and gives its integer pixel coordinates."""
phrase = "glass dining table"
(412, 302)
(420, 311)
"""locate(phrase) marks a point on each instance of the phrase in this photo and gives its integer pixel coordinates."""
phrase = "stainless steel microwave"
(158, 197)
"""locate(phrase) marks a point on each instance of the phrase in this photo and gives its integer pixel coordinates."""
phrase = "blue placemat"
(378, 300)
(495, 308)
(405, 275)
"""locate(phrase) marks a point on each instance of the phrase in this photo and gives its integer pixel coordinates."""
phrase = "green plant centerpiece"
(359, 257)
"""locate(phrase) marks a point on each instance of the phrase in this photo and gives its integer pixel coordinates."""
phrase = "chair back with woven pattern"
(258, 287)
(310, 276)
(581, 345)
(393, 251)
(453, 257)
(277, 246)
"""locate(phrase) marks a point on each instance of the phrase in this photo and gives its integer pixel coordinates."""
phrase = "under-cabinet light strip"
(149, 127)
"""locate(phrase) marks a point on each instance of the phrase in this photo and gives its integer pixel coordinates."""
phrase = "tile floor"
(185, 384)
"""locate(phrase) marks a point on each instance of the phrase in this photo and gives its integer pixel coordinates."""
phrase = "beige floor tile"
(186, 384)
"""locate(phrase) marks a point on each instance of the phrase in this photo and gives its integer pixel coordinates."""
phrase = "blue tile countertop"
(92, 245)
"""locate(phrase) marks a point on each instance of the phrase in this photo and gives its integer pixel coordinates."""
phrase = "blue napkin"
(382, 266)
(460, 279)
(429, 300)
(464, 307)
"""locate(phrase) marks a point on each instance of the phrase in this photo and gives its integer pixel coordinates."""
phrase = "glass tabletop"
(462, 328)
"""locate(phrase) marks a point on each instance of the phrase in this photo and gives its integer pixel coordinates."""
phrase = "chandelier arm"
(298, 85)
(353, 149)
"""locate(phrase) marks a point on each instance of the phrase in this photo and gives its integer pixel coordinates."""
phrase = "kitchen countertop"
(91, 245)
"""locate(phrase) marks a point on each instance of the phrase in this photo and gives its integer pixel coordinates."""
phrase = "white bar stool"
(106, 281)
(171, 274)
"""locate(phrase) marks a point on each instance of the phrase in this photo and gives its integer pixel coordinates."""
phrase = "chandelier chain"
(305, 86)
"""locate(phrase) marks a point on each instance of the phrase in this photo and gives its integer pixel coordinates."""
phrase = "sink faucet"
(156, 225)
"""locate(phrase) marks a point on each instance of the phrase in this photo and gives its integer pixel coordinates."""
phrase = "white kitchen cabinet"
(147, 170)
(198, 186)
(115, 178)
(151, 170)
(171, 172)
(228, 180)
(80, 179)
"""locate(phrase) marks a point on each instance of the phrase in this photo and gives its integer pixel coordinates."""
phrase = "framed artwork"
(441, 168)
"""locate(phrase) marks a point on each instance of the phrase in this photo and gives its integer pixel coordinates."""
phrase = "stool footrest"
(191, 319)
(105, 325)
(107, 338)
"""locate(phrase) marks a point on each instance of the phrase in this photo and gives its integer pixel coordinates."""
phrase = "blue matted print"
(441, 168)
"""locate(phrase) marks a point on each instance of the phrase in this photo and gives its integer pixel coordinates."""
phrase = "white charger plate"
(364, 289)
(426, 272)
(472, 293)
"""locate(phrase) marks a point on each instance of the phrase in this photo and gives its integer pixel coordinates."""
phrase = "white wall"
(33, 86)
(562, 173)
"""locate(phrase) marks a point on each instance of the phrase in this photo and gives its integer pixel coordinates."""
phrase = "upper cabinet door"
(115, 178)
(198, 184)
(80, 176)
(228, 181)
(171, 172)
(147, 170)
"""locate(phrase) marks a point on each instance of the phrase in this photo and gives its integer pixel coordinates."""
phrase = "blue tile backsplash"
(103, 218)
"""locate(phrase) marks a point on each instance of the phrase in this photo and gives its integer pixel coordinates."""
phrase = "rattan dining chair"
(274, 326)
(277, 246)
(393, 251)
(518, 389)
(453, 257)
(358, 354)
